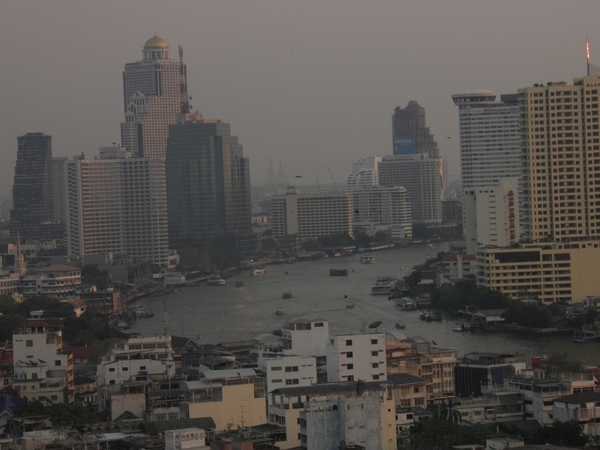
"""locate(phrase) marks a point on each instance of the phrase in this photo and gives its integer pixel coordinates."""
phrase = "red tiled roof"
(38, 325)
(78, 352)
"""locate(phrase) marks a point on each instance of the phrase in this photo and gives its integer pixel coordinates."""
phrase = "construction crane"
(332, 179)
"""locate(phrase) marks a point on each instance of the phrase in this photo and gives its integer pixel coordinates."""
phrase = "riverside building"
(117, 204)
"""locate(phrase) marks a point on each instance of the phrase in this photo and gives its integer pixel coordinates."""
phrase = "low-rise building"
(52, 281)
(582, 407)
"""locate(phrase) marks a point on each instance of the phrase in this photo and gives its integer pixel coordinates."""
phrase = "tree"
(449, 412)
(10, 324)
(562, 433)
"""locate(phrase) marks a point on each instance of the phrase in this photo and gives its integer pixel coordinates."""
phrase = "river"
(214, 314)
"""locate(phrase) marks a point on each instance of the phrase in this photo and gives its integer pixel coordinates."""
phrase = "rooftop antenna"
(184, 104)
(587, 54)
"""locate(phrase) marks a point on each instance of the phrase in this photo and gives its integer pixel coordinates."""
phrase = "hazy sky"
(308, 82)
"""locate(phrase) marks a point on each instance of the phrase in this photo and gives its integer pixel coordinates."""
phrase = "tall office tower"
(420, 176)
(561, 150)
(490, 137)
(410, 134)
(208, 183)
(152, 90)
(310, 216)
(59, 177)
(364, 173)
(386, 209)
(117, 204)
(33, 201)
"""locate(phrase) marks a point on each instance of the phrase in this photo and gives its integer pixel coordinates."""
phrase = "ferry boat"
(216, 282)
(258, 271)
(406, 304)
(367, 260)
(338, 272)
(286, 294)
(400, 326)
(381, 289)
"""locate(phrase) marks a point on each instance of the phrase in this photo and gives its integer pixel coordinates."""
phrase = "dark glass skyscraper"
(208, 184)
(33, 197)
(411, 134)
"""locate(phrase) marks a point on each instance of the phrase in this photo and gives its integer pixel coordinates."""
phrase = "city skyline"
(296, 67)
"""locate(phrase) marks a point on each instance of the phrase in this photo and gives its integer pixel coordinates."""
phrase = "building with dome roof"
(152, 101)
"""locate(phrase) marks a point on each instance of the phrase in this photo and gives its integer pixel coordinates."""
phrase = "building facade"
(117, 204)
(310, 216)
(33, 196)
(410, 133)
(420, 175)
(152, 99)
(208, 183)
(356, 357)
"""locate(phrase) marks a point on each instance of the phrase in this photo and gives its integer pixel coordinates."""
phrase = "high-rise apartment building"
(419, 174)
(410, 133)
(33, 201)
(364, 173)
(152, 99)
(208, 183)
(59, 173)
(490, 137)
(310, 216)
(117, 204)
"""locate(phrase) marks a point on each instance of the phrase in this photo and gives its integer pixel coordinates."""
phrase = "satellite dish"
(375, 324)
(360, 387)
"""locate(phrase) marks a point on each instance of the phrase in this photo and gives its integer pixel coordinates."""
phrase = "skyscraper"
(410, 133)
(152, 91)
(117, 204)
(33, 201)
(208, 183)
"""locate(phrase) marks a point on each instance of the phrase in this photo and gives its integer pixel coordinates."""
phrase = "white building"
(310, 216)
(364, 173)
(386, 209)
(289, 370)
(307, 337)
(356, 357)
(492, 215)
(185, 439)
(490, 139)
(39, 355)
(582, 407)
(421, 176)
(53, 281)
(118, 204)
(151, 90)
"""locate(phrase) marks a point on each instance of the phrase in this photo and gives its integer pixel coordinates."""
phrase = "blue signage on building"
(404, 145)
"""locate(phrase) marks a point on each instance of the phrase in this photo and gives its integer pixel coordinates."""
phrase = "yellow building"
(550, 272)
(232, 398)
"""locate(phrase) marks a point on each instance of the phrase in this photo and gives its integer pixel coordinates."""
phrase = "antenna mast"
(587, 54)
(184, 104)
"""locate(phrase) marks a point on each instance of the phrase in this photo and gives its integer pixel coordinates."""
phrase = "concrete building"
(235, 397)
(44, 372)
(310, 216)
(477, 371)
(152, 99)
(208, 184)
(33, 197)
(356, 357)
(364, 173)
(490, 137)
(56, 281)
(344, 412)
(420, 175)
(582, 407)
(551, 272)
(186, 439)
(409, 390)
(60, 188)
(307, 337)
(288, 370)
(118, 204)
(410, 133)
(386, 209)
(492, 215)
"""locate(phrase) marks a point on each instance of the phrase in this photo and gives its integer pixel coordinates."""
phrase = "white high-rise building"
(354, 357)
(492, 215)
(421, 176)
(117, 204)
(490, 137)
(364, 173)
(152, 99)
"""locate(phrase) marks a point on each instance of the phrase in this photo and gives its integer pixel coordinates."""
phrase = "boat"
(387, 279)
(367, 260)
(216, 282)
(381, 289)
(350, 306)
(395, 294)
(338, 272)
(400, 326)
(258, 271)
(239, 283)
(405, 304)
(431, 315)
(279, 312)
(286, 294)
(457, 327)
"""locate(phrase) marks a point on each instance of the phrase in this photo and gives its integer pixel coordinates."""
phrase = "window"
(374, 341)
(348, 341)
(54, 398)
(34, 376)
(349, 354)
(375, 365)
(111, 382)
(29, 343)
(142, 367)
(376, 377)
(112, 369)
(350, 378)
(374, 353)
(276, 368)
(276, 381)
(350, 366)
(125, 369)
(58, 362)
(291, 369)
